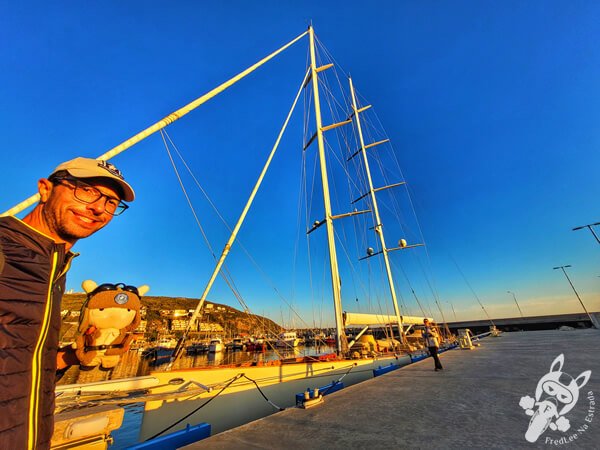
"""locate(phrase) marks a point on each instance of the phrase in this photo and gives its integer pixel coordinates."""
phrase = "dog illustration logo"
(555, 395)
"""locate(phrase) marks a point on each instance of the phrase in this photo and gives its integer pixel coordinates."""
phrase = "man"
(80, 197)
(432, 341)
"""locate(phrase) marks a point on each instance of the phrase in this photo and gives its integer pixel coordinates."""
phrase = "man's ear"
(44, 188)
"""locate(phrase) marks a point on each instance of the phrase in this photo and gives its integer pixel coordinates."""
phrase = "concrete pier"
(473, 403)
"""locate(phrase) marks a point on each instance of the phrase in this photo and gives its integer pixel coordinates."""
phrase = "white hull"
(215, 348)
(241, 402)
(288, 343)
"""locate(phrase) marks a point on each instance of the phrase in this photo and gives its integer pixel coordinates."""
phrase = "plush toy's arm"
(127, 342)
(80, 343)
(122, 338)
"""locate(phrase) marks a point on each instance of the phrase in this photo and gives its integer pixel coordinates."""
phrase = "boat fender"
(93, 426)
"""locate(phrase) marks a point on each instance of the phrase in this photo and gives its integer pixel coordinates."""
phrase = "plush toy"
(108, 315)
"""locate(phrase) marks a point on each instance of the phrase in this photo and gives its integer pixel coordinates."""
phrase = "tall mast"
(378, 224)
(335, 276)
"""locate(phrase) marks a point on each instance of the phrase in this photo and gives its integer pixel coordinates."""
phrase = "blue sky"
(493, 109)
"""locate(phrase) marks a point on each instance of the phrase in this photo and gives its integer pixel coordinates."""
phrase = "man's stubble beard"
(67, 231)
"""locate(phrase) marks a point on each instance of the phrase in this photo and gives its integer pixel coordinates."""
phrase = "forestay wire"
(225, 273)
(221, 260)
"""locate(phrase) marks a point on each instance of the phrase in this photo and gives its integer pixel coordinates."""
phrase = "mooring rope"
(262, 393)
(237, 377)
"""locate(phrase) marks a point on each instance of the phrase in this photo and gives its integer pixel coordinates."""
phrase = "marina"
(300, 278)
(502, 364)
(134, 363)
(212, 393)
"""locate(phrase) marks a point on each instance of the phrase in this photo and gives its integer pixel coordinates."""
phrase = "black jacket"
(32, 281)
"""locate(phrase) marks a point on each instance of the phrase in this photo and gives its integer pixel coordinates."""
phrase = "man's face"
(71, 219)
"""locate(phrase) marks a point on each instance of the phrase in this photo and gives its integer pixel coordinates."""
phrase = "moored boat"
(196, 348)
(216, 345)
(238, 344)
(288, 339)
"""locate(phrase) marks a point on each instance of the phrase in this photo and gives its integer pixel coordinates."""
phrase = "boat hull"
(241, 402)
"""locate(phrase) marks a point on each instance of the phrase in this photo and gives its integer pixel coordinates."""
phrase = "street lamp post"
(513, 294)
(573, 287)
(589, 226)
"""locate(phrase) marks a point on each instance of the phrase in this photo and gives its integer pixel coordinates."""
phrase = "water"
(128, 433)
(133, 365)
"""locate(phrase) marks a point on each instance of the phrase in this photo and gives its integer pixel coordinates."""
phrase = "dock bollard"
(464, 339)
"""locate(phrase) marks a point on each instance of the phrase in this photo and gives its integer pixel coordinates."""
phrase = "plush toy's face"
(115, 306)
(111, 317)
(113, 309)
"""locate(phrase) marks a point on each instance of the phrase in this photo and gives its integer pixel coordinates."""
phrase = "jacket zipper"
(36, 372)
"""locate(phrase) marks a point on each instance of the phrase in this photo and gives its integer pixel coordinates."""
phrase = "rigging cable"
(258, 183)
(337, 110)
(468, 284)
(431, 283)
(225, 274)
(396, 210)
(229, 278)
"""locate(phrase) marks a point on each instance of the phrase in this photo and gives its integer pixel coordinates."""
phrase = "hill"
(234, 321)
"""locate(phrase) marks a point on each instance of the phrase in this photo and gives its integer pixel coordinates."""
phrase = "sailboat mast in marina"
(378, 225)
(335, 276)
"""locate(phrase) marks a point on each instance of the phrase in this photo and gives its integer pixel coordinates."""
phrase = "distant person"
(432, 341)
(80, 197)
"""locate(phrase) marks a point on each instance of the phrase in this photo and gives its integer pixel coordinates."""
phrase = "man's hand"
(66, 357)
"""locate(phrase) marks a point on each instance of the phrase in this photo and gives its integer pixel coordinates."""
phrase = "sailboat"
(264, 387)
(227, 396)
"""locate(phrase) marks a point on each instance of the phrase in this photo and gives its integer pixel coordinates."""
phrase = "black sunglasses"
(113, 287)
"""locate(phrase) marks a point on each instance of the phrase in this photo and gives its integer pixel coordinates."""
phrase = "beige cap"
(93, 168)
